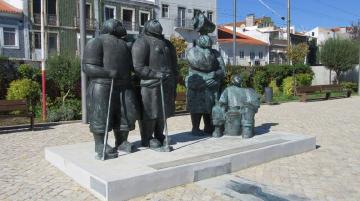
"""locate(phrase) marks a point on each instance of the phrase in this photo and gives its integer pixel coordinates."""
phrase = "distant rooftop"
(7, 8)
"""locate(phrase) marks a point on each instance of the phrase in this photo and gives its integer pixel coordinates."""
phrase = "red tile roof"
(225, 36)
(7, 8)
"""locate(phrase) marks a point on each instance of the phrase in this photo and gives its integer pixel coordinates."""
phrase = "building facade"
(62, 22)
(250, 51)
(265, 30)
(12, 32)
(176, 17)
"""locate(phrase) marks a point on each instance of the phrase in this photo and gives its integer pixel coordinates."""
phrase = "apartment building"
(176, 17)
(12, 31)
(62, 21)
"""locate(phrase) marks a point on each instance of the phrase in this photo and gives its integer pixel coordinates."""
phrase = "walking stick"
(166, 147)
(107, 120)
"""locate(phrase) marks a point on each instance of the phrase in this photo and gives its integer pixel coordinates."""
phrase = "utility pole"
(359, 68)
(288, 30)
(43, 58)
(82, 47)
(234, 34)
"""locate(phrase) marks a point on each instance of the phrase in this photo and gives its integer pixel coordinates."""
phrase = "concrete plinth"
(193, 159)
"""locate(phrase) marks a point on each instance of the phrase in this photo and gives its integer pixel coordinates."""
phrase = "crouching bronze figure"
(234, 114)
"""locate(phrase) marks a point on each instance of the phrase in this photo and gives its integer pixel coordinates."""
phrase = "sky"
(305, 14)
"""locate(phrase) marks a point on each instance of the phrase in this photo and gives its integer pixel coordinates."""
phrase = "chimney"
(250, 20)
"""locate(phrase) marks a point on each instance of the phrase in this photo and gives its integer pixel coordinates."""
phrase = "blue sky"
(306, 14)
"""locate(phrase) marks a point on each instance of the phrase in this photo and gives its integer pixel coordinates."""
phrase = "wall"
(14, 52)
(169, 23)
(322, 75)
(226, 50)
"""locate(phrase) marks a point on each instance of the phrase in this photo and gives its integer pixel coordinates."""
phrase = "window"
(37, 40)
(196, 12)
(181, 17)
(165, 10)
(144, 17)
(261, 55)
(312, 33)
(52, 43)
(242, 55)
(88, 11)
(10, 37)
(109, 12)
(210, 15)
(252, 55)
(128, 18)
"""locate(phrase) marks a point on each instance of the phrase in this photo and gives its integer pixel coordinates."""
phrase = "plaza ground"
(332, 172)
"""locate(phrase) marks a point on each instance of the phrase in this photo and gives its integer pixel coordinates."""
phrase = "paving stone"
(332, 172)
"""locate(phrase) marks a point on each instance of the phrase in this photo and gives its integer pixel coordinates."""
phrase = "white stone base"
(193, 159)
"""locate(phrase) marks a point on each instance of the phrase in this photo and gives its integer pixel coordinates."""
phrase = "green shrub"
(27, 71)
(183, 69)
(180, 88)
(71, 110)
(304, 79)
(64, 71)
(260, 81)
(349, 86)
(24, 89)
(275, 88)
(287, 86)
(8, 73)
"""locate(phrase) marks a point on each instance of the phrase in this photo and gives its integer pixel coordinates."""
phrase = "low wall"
(322, 75)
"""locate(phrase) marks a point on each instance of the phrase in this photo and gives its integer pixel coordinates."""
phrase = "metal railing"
(51, 19)
(131, 26)
(90, 23)
(184, 23)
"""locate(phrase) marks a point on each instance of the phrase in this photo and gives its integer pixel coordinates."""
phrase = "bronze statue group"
(137, 81)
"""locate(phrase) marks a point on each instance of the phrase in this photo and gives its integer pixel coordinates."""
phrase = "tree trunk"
(338, 73)
(65, 96)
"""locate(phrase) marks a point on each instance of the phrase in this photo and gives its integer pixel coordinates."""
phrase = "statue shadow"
(24, 129)
(264, 128)
(188, 138)
(185, 137)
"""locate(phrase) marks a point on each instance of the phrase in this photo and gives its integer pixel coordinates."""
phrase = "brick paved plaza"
(332, 172)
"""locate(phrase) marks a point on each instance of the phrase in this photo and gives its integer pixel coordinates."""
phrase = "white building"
(250, 51)
(323, 34)
(176, 17)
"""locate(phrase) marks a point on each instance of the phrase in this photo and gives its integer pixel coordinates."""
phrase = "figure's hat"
(202, 24)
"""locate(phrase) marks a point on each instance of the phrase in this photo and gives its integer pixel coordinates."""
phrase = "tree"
(65, 72)
(339, 55)
(180, 45)
(355, 31)
(297, 53)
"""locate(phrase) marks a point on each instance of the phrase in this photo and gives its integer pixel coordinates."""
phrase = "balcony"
(278, 42)
(184, 24)
(51, 19)
(131, 26)
(91, 24)
(37, 18)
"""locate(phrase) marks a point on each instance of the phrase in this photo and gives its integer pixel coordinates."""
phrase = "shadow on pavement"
(264, 128)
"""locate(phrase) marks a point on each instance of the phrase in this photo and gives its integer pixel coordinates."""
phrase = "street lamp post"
(82, 47)
(43, 57)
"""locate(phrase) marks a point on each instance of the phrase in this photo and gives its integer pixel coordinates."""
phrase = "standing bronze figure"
(155, 59)
(206, 73)
(108, 58)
